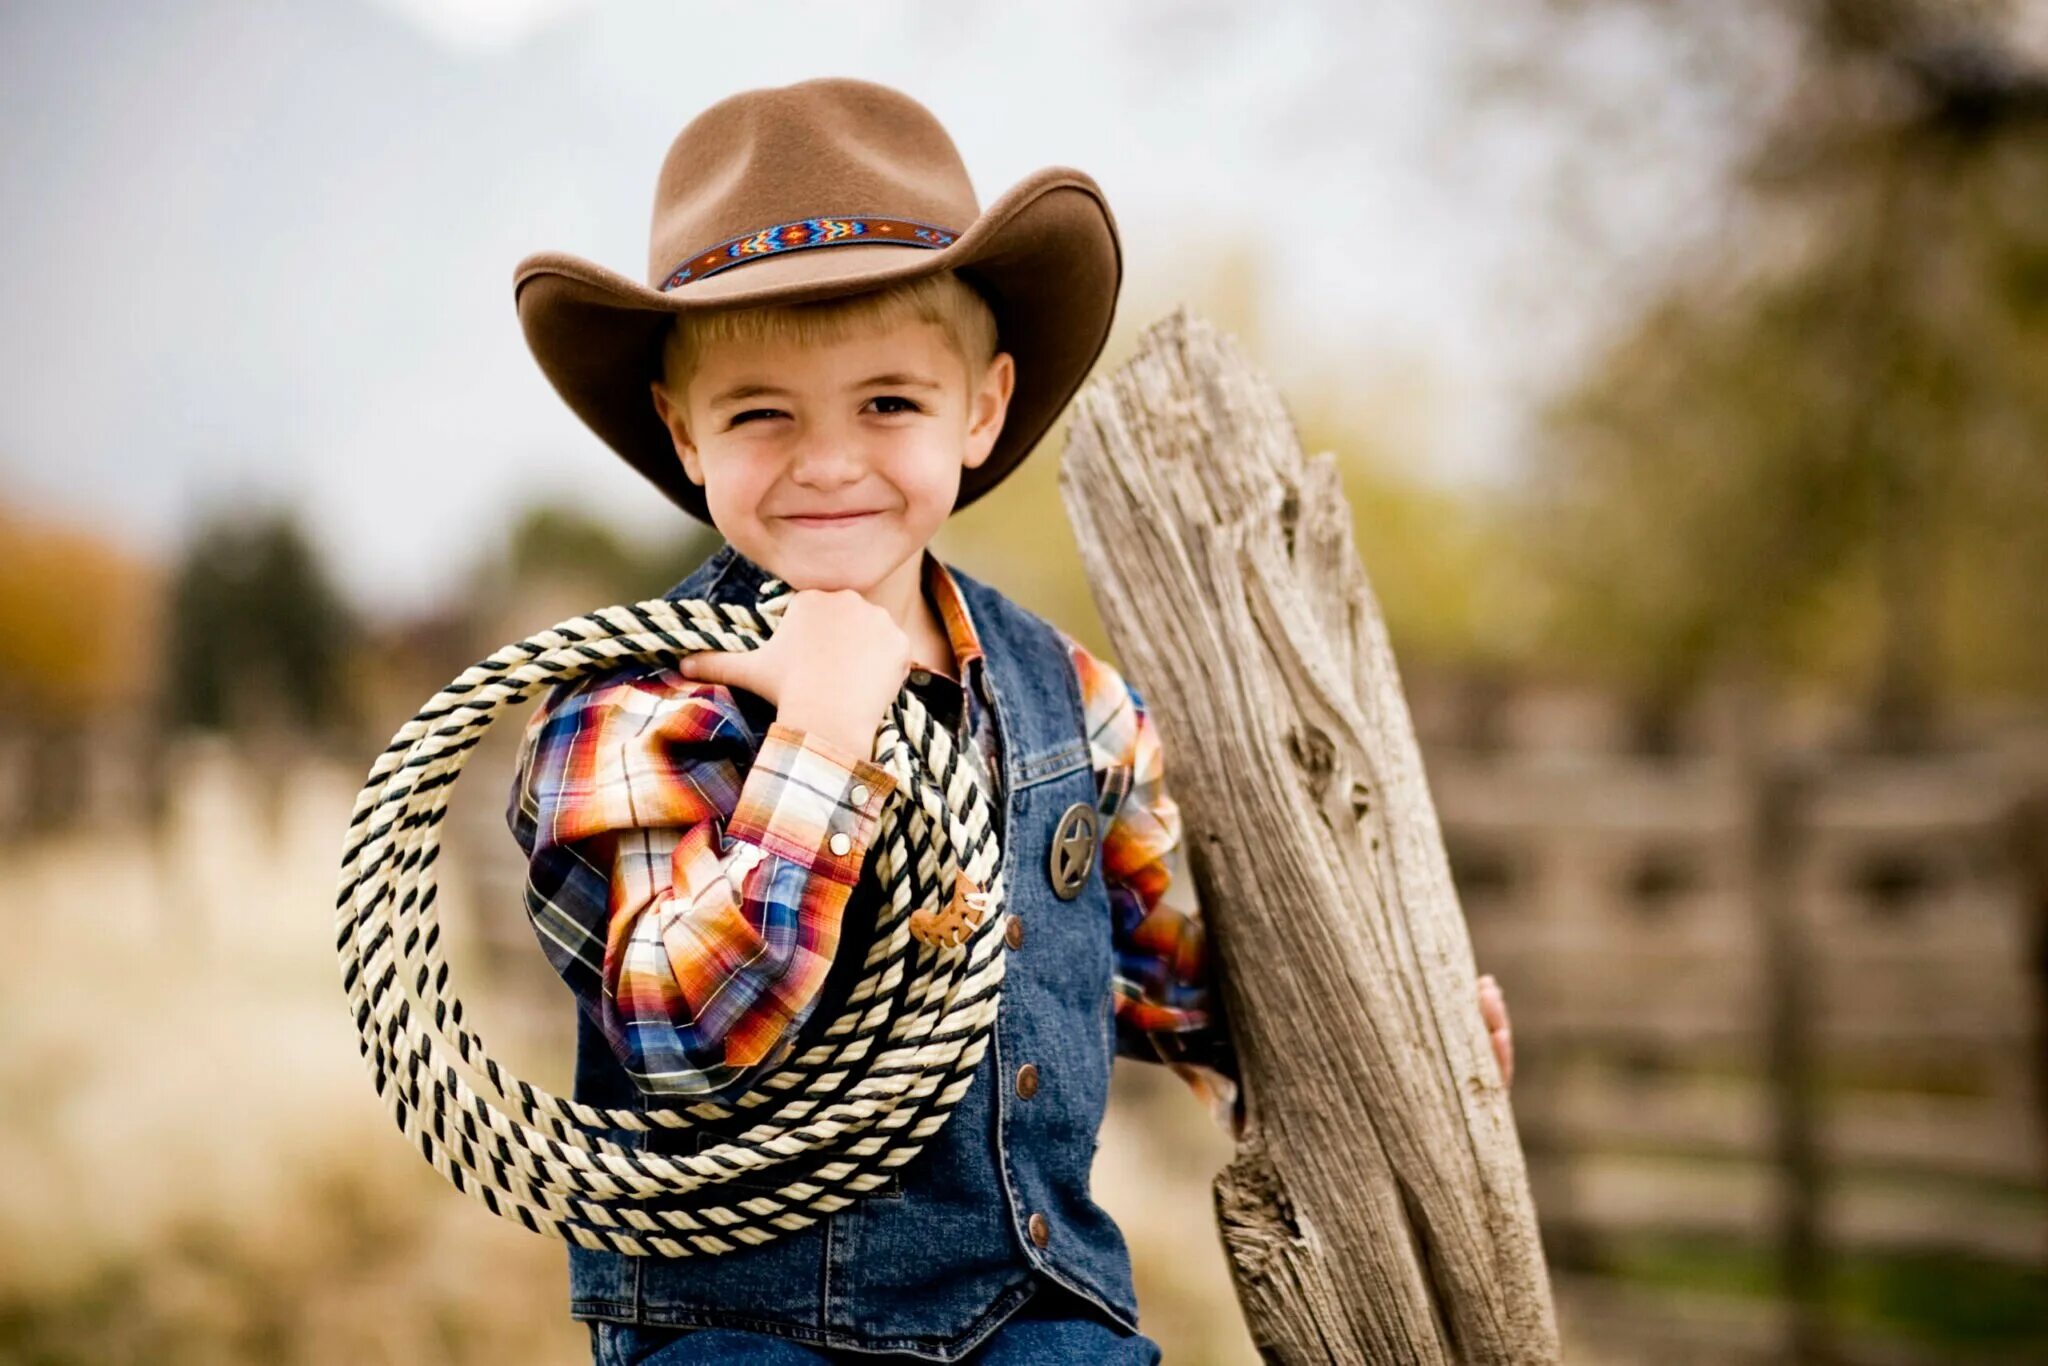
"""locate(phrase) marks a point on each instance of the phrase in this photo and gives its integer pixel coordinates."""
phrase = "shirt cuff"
(812, 802)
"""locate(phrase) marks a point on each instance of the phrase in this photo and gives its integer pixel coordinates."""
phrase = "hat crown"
(828, 147)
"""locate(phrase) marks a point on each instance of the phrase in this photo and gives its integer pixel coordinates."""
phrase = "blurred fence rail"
(1788, 1005)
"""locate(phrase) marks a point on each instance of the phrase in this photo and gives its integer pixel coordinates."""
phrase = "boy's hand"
(832, 666)
(1493, 1008)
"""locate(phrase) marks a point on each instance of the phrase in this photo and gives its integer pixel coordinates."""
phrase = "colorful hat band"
(807, 232)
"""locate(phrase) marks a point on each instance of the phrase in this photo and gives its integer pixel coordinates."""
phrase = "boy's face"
(881, 424)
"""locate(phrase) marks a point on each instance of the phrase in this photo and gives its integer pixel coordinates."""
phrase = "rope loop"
(821, 1130)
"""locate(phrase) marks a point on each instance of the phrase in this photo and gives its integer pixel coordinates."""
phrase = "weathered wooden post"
(1378, 1209)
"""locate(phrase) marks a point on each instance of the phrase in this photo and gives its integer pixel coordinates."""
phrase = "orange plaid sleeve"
(1168, 1008)
(687, 871)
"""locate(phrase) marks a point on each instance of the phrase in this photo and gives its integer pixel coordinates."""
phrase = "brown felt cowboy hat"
(827, 187)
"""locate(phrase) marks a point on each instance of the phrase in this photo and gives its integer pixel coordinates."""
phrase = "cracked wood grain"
(1378, 1209)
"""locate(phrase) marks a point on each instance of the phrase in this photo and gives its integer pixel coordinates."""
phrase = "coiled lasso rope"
(826, 1128)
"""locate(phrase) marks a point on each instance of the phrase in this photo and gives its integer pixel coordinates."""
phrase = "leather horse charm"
(951, 926)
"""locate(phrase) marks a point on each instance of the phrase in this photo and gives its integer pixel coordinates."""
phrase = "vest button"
(1027, 1080)
(1013, 933)
(1041, 1231)
(920, 676)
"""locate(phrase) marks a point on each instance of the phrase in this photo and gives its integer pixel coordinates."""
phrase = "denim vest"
(935, 1259)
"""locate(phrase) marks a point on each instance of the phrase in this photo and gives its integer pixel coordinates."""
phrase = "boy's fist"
(832, 666)
(1493, 1008)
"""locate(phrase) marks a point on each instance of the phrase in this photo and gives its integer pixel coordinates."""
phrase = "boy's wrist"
(837, 731)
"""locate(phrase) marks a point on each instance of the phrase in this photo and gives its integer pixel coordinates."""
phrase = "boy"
(697, 835)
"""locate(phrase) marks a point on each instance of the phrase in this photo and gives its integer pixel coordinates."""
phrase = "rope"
(821, 1131)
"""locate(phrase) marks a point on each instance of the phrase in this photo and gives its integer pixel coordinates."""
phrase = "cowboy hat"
(827, 187)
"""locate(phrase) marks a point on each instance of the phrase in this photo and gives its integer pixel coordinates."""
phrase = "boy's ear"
(988, 406)
(671, 414)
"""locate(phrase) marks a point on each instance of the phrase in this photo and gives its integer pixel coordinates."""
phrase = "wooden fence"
(1792, 1006)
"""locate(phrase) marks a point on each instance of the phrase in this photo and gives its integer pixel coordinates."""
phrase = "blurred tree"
(1819, 454)
(76, 622)
(550, 542)
(258, 636)
(1446, 564)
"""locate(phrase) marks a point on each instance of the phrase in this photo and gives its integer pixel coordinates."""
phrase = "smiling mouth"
(838, 519)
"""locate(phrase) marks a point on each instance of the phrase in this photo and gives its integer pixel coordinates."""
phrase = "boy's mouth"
(833, 519)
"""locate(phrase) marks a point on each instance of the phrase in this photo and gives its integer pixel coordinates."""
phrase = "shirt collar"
(953, 613)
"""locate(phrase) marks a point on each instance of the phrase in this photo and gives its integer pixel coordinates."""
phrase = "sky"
(267, 251)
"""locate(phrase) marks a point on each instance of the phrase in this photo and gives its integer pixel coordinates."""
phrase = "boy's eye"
(909, 405)
(881, 398)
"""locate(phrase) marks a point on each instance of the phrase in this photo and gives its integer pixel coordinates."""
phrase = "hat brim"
(1045, 253)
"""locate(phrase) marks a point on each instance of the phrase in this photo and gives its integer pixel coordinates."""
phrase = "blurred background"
(1688, 363)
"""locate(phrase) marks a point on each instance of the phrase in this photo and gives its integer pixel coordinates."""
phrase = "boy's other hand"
(1493, 1008)
(832, 666)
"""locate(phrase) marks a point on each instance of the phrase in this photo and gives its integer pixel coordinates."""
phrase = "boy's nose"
(824, 464)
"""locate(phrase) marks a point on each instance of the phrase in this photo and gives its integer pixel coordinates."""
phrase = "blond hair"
(946, 299)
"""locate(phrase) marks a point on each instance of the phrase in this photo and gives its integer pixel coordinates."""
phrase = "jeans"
(1052, 1328)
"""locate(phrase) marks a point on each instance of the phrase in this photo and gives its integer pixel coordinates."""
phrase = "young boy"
(697, 836)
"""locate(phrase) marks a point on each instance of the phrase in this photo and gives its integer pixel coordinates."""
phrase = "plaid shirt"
(680, 880)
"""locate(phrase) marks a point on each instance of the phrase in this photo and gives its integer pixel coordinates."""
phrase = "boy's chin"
(857, 566)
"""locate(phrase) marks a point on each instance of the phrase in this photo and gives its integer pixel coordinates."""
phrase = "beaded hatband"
(807, 232)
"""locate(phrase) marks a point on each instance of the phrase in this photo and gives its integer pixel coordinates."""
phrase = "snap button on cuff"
(920, 676)
(840, 842)
(858, 794)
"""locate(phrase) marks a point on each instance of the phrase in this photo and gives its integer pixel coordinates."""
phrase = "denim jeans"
(1052, 1328)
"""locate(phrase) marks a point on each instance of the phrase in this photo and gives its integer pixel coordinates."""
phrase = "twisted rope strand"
(827, 1127)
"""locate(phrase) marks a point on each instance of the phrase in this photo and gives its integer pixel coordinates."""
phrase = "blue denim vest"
(934, 1260)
